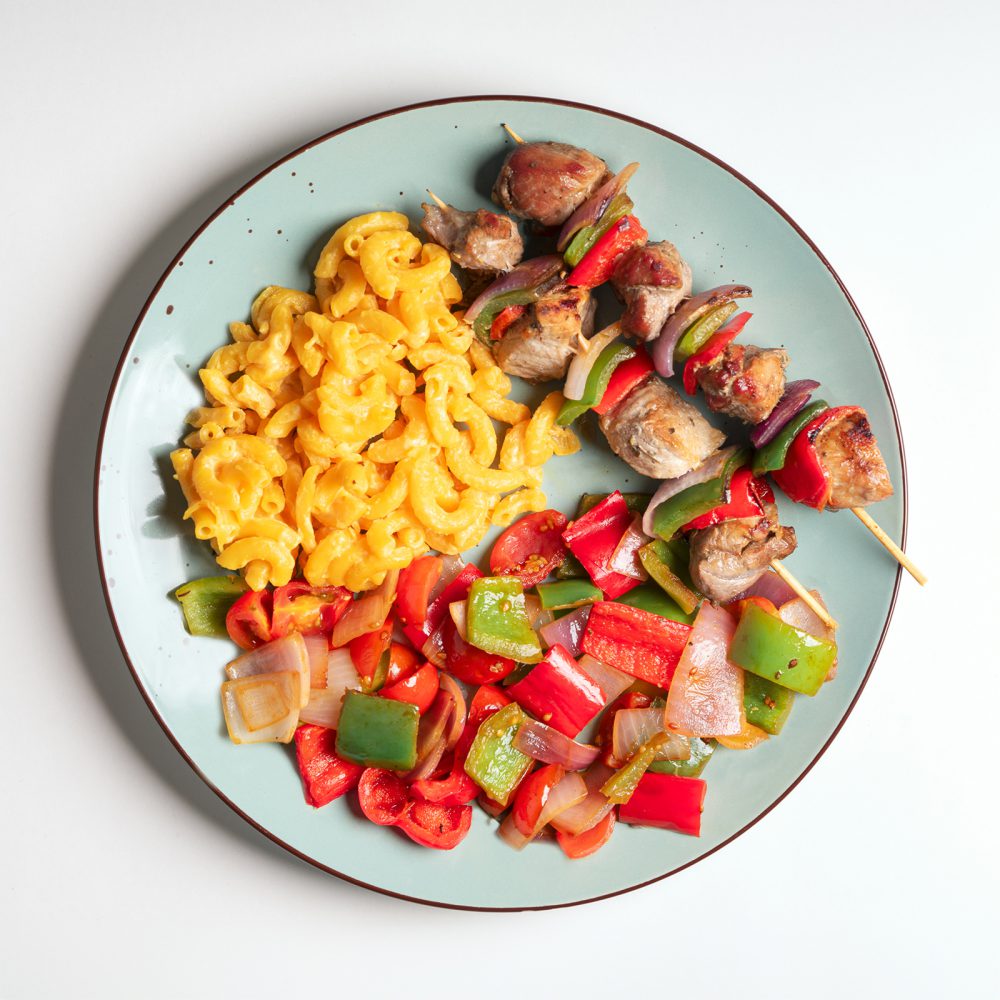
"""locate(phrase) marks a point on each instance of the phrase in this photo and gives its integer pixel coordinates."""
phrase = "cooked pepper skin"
(684, 507)
(567, 594)
(598, 263)
(498, 621)
(667, 801)
(667, 565)
(772, 456)
(493, 762)
(378, 732)
(767, 704)
(652, 599)
(764, 645)
(701, 331)
(206, 602)
(701, 754)
(607, 362)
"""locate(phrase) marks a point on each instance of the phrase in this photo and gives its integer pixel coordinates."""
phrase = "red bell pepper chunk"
(582, 845)
(503, 319)
(455, 788)
(382, 796)
(717, 343)
(458, 590)
(419, 688)
(414, 588)
(624, 379)
(248, 621)
(668, 801)
(325, 775)
(593, 538)
(634, 641)
(297, 607)
(531, 548)
(532, 795)
(803, 477)
(471, 665)
(403, 661)
(599, 261)
(559, 692)
(433, 825)
(366, 650)
(747, 495)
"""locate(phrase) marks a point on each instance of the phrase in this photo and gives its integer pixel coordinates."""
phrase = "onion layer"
(527, 274)
(323, 708)
(625, 558)
(567, 631)
(317, 649)
(368, 613)
(793, 399)
(456, 725)
(550, 746)
(771, 587)
(584, 359)
(709, 469)
(589, 811)
(593, 208)
(287, 653)
(635, 726)
(431, 736)
(611, 682)
(262, 708)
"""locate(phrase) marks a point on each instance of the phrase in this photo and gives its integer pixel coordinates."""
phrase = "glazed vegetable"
(567, 631)
(624, 379)
(771, 456)
(521, 285)
(651, 598)
(803, 477)
(207, 601)
(493, 762)
(767, 705)
(667, 564)
(746, 498)
(700, 754)
(597, 381)
(498, 622)
(248, 620)
(667, 801)
(297, 607)
(793, 400)
(593, 538)
(715, 345)
(634, 641)
(604, 207)
(550, 746)
(622, 784)
(413, 591)
(599, 262)
(531, 548)
(325, 775)
(378, 732)
(684, 507)
(567, 594)
(700, 332)
(764, 645)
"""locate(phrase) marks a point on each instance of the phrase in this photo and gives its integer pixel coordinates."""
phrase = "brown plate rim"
(226, 204)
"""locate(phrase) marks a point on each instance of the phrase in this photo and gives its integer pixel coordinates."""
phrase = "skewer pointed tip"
(437, 201)
(512, 133)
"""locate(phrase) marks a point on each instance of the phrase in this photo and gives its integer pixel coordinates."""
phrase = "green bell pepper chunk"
(493, 762)
(597, 382)
(617, 208)
(650, 598)
(205, 603)
(667, 566)
(571, 569)
(567, 594)
(620, 786)
(764, 645)
(696, 500)
(381, 673)
(701, 754)
(517, 297)
(378, 732)
(700, 332)
(498, 620)
(636, 502)
(767, 704)
(772, 456)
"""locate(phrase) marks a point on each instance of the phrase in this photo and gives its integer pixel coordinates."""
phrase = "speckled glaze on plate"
(270, 233)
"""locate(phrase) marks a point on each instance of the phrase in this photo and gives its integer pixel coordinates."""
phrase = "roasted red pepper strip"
(559, 692)
(382, 796)
(414, 588)
(623, 380)
(747, 495)
(803, 478)
(297, 607)
(433, 825)
(503, 319)
(599, 261)
(419, 688)
(325, 775)
(531, 797)
(667, 801)
(716, 344)
(582, 845)
(471, 665)
(458, 590)
(366, 650)
(593, 538)
(248, 621)
(634, 641)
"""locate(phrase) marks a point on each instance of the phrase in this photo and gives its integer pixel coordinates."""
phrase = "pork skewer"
(481, 242)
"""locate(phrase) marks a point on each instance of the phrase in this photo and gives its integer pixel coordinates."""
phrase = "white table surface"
(123, 125)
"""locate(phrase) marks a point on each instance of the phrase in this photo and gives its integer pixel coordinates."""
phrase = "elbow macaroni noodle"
(348, 432)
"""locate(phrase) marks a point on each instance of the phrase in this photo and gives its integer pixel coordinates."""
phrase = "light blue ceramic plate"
(270, 233)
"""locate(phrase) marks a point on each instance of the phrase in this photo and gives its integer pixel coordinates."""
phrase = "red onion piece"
(431, 737)
(709, 469)
(771, 587)
(458, 713)
(550, 746)
(593, 208)
(459, 612)
(625, 558)
(567, 631)
(690, 311)
(527, 274)
(433, 648)
(635, 726)
(451, 566)
(368, 613)
(611, 682)
(571, 791)
(591, 810)
(793, 399)
(511, 836)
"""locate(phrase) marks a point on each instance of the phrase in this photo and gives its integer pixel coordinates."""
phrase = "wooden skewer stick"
(902, 558)
(437, 201)
(823, 614)
(513, 134)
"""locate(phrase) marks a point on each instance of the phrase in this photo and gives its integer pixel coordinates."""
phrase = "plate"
(270, 232)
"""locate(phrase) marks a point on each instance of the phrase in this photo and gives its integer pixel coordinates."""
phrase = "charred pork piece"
(658, 433)
(479, 241)
(729, 557)
(744, 381)
(548, 181)
(539, 345)
(849, 453)
(653, 280)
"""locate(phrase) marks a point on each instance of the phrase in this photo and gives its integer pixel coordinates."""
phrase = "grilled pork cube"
(539, 345)
(478, 241)
(548, 181)
(658, 433)
(850, 455)
(728, 558)
(653, 280)
(744, 381)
